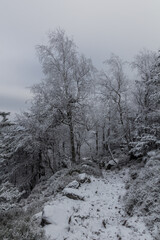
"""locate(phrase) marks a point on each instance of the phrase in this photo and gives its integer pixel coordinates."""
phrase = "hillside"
(83, 202)
(100, 215)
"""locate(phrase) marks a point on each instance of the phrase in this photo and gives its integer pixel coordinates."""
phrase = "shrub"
(145, 144)
(143, 195)
(16, 224)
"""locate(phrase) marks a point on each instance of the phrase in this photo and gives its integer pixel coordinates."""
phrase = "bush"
(143, 194)
(145, 144)
(16, 224)
(9, 195)
(16, 221)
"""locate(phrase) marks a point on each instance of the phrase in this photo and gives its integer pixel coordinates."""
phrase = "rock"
(102, 164)
(37, 218)
(134, 175)
(45, 222)
(104, 223)
(82, 178)
(109, 166)
(147, 143)
(74, 184)
(73, 194)
(53, 214)
(151, 153)
(86, 159)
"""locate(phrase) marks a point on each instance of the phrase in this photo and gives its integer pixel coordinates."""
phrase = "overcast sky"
(98, 27)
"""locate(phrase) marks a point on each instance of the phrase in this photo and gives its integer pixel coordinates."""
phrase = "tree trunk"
(109, 149)
(73, 154)
(96, 141)
(72, 142)
(41, 169)
(122, 123)
(103, 140)
(63, 147)
(78, 150)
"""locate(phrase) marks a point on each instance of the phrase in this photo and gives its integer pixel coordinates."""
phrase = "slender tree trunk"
(122, 123)
(78, 150)
(109, 129)
(96, 141)
(63, 147)
(72, 142)
(109, 149)
(73, 154)
(41, 169)
(103, 140)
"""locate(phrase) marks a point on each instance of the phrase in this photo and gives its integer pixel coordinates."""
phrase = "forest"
(109, 118)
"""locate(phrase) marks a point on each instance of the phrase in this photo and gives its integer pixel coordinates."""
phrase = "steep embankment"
(96, 214)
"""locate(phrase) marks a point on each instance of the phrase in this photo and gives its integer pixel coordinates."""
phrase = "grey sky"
(99, 27)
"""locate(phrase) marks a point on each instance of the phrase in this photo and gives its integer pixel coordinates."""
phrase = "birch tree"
(114, 92)
(67, 80)
(145, 63)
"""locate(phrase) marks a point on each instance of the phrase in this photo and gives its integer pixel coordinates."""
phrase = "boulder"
(74, 184)
(73, 194)
(53, 214)
(110, 165)
(82, 178)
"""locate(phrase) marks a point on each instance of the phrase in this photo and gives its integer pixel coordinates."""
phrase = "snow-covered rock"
(145, 144)
(151, 153)
(73, 184)
(83, 178)
(111, 164)
(73, 194)
(54, 214)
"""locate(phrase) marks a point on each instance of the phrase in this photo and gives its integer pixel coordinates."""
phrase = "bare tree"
(144, 63)
(67, 82)
(114, 91)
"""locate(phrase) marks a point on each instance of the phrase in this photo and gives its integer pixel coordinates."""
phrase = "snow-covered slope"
(98, 215)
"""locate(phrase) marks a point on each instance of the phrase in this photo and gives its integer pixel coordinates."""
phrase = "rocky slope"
(96, 213)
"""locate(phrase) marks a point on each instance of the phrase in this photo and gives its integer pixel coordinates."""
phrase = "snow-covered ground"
(98, 215)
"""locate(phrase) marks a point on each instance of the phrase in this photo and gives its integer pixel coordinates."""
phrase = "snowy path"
(99, 217)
